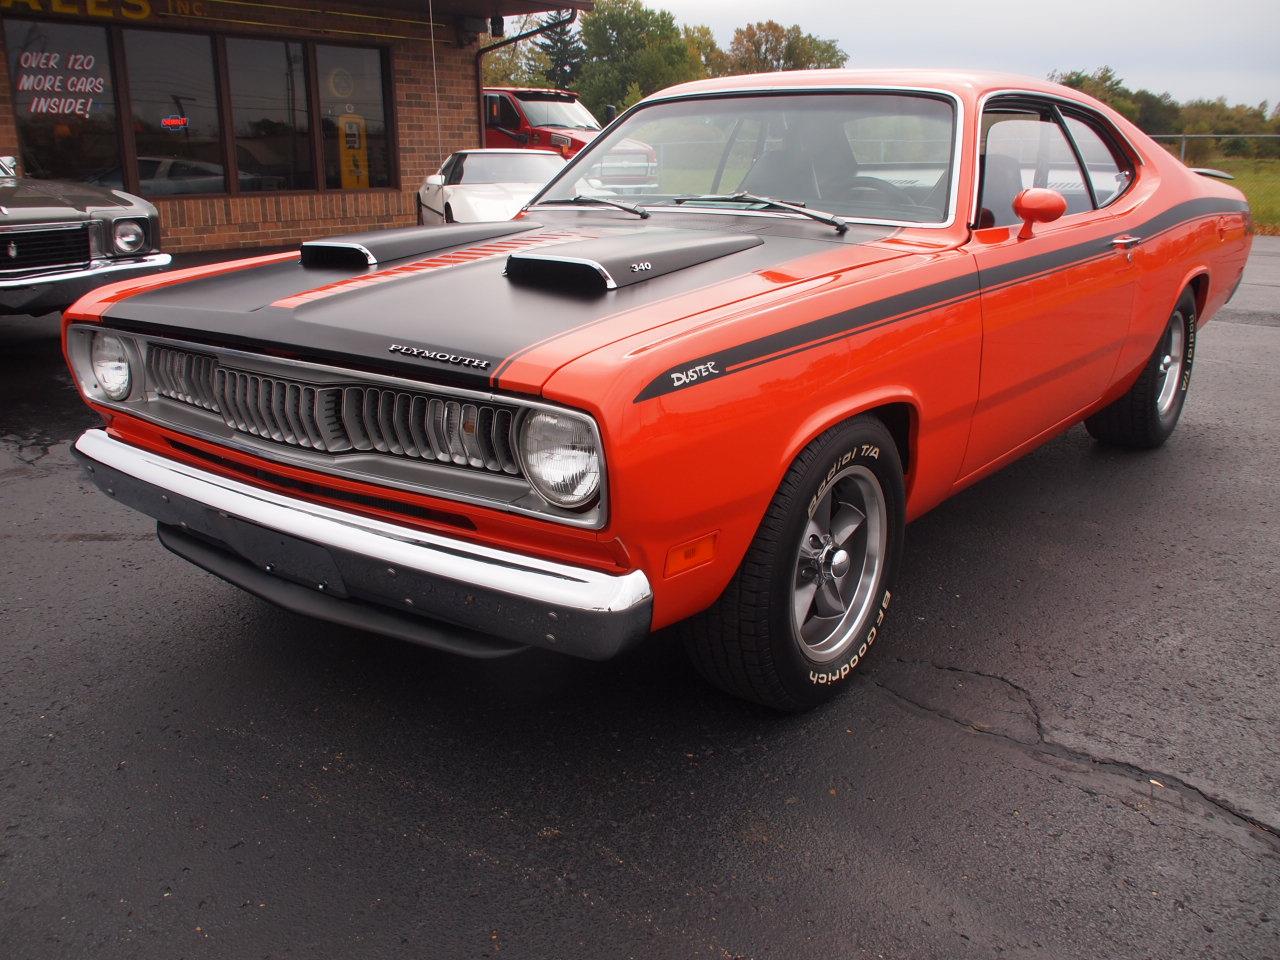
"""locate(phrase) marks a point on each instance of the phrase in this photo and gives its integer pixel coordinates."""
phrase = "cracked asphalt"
(1064, 747)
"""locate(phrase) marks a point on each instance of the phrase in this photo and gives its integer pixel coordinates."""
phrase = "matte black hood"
(607, 263)
(455, 316)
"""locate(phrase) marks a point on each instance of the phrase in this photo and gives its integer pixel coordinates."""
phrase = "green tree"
(563, 51)
(516, 64)
(1102, 84)
(705, 54)
(629, 43)
(1157, 112)
(769, 46)
(633, 96)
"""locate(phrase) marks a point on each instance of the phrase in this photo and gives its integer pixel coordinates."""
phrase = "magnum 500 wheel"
(811, 595)
(1145, 417)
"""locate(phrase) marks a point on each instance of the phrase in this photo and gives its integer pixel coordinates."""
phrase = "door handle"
(1125, 244)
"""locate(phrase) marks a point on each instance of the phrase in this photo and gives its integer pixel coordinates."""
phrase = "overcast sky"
(1191, 48)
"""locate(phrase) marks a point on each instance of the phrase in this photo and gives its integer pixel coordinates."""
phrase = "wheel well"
(897, 418)
(1199, 287)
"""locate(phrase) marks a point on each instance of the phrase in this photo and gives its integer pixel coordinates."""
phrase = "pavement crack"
(29, 450)
(24, 453)
(1030, 701)
(1045, 745)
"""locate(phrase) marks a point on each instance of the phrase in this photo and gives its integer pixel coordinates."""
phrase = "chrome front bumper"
(45, 292)
(369, 574)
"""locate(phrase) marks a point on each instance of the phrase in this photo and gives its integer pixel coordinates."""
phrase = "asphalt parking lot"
(1065, 747)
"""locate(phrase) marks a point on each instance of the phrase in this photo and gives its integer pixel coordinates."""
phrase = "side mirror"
(1038, 205)
(435, 180)
(8, 166)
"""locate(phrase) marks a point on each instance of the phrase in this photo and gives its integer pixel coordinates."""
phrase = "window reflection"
(175, 113)
(353, 118)
(269, 106)
(63, 98)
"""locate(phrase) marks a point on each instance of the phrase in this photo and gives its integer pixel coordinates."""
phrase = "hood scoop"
(594, 266)
(361, 250)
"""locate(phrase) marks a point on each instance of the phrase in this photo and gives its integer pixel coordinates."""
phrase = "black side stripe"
(817, 333)
(810, 335)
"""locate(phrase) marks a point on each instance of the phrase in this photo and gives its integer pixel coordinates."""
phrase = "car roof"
(964, 83)
(519, 151)
(555, 90)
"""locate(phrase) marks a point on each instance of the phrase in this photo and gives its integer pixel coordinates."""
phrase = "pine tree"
(563, 51)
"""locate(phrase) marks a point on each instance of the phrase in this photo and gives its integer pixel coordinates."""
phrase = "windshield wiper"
(635, 208)
(821, 216)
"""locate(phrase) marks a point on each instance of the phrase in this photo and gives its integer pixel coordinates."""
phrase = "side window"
(492, 110)
(454, 175)
(1109, 170)
(508, 116)
(1025, 147)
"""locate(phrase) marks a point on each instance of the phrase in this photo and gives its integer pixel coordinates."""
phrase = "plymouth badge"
(439, 356)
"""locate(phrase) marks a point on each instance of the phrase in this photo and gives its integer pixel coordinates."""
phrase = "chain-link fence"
(1253, 159)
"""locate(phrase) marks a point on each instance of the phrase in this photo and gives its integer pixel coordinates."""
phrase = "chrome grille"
(31, 250)
(340, 418)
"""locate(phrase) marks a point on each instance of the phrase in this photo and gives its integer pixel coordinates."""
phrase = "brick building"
(247, 122)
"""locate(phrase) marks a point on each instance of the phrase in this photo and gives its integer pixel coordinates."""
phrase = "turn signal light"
(695, 553)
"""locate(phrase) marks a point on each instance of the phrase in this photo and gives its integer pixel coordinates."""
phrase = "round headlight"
(129, 236)
(560, 457)
(111, 366)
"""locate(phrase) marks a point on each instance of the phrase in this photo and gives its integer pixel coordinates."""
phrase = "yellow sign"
(353, 152)
(108, 9)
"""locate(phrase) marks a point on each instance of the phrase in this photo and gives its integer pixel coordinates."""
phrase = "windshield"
(552, 110)
(526, 167)
(868, 156)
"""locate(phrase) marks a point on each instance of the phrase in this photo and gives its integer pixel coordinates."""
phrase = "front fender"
(706, 459)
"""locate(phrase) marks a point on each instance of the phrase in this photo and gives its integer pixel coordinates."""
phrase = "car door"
(1055, 306)
(432, 194)
(502, 122)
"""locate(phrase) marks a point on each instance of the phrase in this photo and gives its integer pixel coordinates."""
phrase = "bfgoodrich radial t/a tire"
(1144, 417)
(812, 593)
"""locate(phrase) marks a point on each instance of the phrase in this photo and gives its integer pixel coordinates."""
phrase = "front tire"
(811, 595)
(1145, 417)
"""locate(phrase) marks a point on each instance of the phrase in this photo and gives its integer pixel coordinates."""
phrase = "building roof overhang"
(482, 8)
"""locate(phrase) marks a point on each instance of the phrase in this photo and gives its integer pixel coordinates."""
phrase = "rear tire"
(811, 595)
(1145, 417)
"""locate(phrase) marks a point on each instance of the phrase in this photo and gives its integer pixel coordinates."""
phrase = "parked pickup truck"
(557, 120)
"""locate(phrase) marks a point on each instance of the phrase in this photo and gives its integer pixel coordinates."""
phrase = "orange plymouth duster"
(714, 404)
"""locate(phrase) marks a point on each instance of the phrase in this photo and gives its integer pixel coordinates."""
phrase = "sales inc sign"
(107, 9)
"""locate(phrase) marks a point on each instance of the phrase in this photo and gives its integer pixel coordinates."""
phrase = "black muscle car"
(59, 240)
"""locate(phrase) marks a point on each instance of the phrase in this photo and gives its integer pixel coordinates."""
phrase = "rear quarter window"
(1109, 170)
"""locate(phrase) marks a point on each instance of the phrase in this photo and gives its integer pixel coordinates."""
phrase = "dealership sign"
(107, 9)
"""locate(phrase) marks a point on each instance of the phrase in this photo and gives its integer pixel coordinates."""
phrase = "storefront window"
(175, 113)
(269, 107)
(353, 116)
(63, 99)
(182, 95)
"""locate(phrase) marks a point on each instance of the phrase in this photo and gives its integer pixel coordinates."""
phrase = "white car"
(479, 186)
